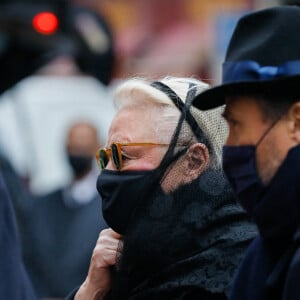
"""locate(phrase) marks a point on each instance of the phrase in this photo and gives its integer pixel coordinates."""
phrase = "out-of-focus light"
(45, 23)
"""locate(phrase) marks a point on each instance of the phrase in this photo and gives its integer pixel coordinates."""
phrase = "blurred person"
(14, 281)
(261, 76)
(176, 231)
(65, 224)
(82, 142)
(24, 49)
(69, 50)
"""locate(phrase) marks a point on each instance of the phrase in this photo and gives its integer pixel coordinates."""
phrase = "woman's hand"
(98, 280)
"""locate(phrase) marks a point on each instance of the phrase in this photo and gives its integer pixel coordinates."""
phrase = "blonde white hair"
(139, 92)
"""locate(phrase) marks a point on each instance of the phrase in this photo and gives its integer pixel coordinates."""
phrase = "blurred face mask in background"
(80, 164)
(121, 193)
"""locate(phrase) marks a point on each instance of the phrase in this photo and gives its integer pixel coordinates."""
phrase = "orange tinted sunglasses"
(114, 153)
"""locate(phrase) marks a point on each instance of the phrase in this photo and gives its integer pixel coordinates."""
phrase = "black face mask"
(80, 164)
(121, 193)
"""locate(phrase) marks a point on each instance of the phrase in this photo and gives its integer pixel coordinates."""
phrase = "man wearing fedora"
(261, 158)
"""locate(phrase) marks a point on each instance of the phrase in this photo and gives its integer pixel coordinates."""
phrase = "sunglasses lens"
(115, 156)
(103, 158)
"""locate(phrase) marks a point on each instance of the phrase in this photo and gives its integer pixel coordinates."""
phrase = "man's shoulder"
(292, 290)
(295, 261)
(252, 273)
(254, 250)
(258, 268)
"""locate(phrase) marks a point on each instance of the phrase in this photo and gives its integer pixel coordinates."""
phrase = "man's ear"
(294, 115)
(197, 161)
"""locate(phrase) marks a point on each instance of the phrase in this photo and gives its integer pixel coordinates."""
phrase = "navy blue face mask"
(239, 165)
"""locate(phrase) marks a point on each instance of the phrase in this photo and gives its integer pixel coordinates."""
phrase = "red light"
(45, 23)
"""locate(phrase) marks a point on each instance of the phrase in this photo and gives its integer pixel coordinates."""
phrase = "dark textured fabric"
(62, 240)
(14, 282)
(180, 243)
(191, 294)
(180, 293)
(271, 267)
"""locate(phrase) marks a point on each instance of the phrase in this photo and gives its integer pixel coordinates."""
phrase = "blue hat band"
(249, 70)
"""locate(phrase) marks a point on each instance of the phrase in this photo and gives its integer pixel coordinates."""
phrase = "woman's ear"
(188, 167)
(197, 161)
(294, 114)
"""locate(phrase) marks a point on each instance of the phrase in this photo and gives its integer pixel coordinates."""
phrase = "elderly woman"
(176, 230)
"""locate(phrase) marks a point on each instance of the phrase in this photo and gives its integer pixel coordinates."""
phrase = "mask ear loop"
(266, 132)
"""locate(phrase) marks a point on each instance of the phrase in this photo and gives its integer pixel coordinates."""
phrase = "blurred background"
(151, 38)
(178, 37)
(60, 62)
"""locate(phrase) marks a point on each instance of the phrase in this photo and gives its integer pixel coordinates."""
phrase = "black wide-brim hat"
(263, 57)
